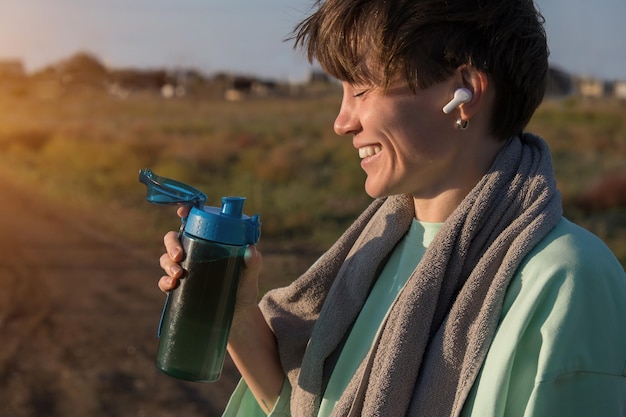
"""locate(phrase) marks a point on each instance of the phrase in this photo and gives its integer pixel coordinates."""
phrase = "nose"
(347, 121)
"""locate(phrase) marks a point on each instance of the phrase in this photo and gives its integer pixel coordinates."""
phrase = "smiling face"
(406, 143)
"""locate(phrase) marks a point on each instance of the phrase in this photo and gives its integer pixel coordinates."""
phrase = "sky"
(585, 37)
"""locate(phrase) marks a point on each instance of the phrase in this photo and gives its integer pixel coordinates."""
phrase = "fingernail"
(174, 253)
(247, 255)
(174, 270)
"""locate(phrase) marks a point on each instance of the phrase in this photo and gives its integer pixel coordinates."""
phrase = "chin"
(376, 192)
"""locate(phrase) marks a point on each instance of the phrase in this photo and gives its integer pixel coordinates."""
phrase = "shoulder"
(572, 250)
(570, 294)
(571, 268)
(560, 348)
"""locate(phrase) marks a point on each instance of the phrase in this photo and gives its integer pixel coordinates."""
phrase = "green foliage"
(280, 153)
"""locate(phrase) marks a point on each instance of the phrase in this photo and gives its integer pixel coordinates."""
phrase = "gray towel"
(436, 336)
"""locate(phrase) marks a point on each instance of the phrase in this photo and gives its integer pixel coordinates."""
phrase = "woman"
(461, 290)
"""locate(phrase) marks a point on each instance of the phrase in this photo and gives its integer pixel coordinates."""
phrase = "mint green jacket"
(560, 348)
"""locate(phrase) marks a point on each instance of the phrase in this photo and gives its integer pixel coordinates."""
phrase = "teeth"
(369, 151)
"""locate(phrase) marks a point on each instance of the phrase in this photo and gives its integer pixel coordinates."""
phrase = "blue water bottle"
(196, 318)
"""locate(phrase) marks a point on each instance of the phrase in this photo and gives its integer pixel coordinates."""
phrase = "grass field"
(86, 149)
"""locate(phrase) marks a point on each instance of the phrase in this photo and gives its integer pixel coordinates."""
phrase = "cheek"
(421, 138)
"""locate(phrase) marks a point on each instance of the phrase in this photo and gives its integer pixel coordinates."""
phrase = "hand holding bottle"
(248, 292)
(205, 263)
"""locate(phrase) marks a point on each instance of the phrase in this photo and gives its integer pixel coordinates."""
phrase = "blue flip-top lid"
(161, 190)
(226, 224)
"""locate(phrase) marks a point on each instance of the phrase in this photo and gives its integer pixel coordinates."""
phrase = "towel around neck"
(438, 331)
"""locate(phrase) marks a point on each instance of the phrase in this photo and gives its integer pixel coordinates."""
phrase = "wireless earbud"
(461, 95)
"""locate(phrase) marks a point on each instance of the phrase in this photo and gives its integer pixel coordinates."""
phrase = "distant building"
(619, 89)
(592, 88)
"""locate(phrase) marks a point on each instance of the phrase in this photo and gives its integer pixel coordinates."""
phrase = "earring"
(462, 124)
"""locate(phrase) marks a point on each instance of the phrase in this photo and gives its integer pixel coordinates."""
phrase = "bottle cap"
(227, 225)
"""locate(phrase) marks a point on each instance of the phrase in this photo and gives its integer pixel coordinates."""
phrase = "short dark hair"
(428, 40)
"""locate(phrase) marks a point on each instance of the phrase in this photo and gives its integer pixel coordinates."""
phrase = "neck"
(470, 168)
(437, 210)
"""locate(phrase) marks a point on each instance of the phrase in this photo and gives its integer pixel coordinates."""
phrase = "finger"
(167, 283)
(248, 291)
(183, 211)
(253, 258)
(173, 246)
(171, 268)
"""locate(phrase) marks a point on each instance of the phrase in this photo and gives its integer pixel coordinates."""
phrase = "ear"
(477, 82)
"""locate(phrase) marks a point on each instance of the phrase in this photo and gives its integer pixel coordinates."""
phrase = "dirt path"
(78, 317)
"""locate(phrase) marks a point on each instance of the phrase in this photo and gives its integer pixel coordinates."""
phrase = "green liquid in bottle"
(198, 314)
